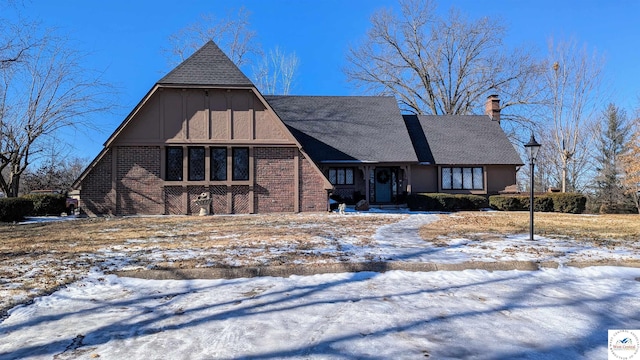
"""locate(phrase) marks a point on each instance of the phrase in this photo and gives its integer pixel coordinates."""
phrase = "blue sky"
(124, 39)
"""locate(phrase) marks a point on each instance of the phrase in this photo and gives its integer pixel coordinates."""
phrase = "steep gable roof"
(460, 139)
(346, 128)
(207, 66)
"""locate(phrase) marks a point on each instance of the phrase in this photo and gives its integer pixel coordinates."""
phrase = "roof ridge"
(208, 65)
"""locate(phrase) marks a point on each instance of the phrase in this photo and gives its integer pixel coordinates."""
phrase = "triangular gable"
(208, 66)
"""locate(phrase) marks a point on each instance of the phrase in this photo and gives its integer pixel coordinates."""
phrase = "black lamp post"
(532, 151)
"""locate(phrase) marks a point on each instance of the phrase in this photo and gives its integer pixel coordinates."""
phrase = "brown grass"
(496, 224)
(70, 238)
(38, 258)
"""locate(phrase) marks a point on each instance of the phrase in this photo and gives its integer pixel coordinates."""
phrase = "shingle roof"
(346, 128)
(207, 66)
(460, 139)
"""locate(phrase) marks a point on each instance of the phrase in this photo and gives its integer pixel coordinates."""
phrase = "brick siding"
(313, 196)
(96, 195)
(139, 185)
(140, 190)
(274, 189)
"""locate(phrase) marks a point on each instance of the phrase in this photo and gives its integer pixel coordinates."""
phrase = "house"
(204, 127)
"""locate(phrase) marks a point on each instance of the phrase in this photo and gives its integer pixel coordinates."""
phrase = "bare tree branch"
(276, 72)
(573, 77)
(231, 33)
(439, 65)
(273, 72)
(47, 91)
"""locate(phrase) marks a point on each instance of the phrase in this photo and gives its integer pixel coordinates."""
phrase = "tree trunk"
(14, 185)
(564, 174)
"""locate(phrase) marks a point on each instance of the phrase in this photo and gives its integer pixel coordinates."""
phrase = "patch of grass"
(41, 257)
(595, 228)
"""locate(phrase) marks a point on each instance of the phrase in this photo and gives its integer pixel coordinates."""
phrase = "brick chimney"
(492, 108)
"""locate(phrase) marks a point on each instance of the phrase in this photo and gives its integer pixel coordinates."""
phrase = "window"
(174, 164)
(462, 178)
(218, 164)
(196, 163)
(240, 163)
(341, 176)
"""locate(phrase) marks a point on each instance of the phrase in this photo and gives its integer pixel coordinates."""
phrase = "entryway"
(383, 185)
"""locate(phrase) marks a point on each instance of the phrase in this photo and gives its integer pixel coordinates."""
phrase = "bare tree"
(276, 72)
(15, 37)
(573, 77)
(57, 169)
(441, 65)
(231, 33)
(273, 72)
(49, 90)
(13, 45)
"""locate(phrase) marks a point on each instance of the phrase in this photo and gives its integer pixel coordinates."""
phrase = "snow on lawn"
(399, 241)
(555, 313)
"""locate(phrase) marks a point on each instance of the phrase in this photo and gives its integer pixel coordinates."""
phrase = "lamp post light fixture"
(532, 151)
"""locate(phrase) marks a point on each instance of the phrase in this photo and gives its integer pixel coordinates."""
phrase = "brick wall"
(139, 185)
(96, 195)
(140, 191)
(313, 197)
(274, 189)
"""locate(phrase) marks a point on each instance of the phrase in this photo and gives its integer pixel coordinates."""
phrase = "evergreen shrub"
(14, 209)
(445, 202)
(47, 204)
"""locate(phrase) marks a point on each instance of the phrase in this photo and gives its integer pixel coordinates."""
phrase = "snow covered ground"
(559, 313)
(399, 241)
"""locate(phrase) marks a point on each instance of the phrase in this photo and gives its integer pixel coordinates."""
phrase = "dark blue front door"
(383, 185)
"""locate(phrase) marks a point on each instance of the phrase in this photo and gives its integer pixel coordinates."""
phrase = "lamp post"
(532, 151)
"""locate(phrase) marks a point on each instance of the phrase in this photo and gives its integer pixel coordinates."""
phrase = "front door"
(383, 185)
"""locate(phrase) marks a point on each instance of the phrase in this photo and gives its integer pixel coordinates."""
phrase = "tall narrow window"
(240, 163)
(196, 163)
(348, 176)
(218, 164)
(457, 178)
(446, 178)
(340, 176)
(467, 178)
(333, 176)
(478, 178)
(174, 163)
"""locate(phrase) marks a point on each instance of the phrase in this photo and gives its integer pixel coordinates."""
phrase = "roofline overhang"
(349, 162)
(368, 162)
(205, 86)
